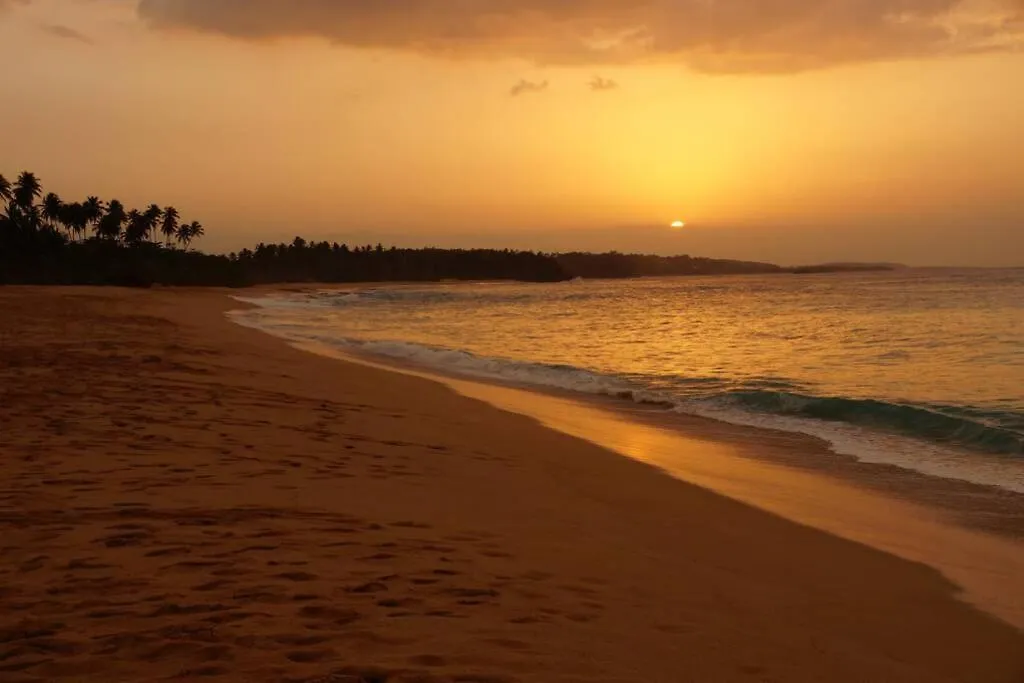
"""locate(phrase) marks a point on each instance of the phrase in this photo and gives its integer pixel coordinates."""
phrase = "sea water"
(919, 368)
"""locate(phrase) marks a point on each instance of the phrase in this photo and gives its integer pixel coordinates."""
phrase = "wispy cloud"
(525, 87)
(599, 84)
(7, 4)
(61, 31)
(708, 35)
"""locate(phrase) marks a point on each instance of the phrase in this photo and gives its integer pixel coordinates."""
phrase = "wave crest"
(976, 431)
(923, 422)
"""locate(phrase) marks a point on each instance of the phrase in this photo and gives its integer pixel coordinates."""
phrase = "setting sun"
(678, 225)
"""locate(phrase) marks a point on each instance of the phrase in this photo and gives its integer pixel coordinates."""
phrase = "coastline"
(942, 429)
(190, 497)
(969, 532)
(976, 506)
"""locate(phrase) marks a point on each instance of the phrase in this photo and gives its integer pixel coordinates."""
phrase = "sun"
(678, 225)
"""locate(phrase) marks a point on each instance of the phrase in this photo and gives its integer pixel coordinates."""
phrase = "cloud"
(525, 87)
(61, 31)
(7, 4)
(707, 35)
(602, 84)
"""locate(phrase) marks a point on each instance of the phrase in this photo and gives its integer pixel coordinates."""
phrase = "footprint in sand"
(212, 585)
(298, 577)
(310, 656)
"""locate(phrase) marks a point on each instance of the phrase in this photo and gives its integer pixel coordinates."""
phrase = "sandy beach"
(182, 498)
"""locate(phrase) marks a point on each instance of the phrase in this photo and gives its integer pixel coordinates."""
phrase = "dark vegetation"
(616, 265)
(846, 268)
(45, 240)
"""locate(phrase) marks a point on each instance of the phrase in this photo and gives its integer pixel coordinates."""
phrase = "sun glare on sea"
(678, 225)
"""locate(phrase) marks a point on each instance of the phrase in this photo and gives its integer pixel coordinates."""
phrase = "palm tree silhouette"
(92, 212)
(190, 231)
(53, 210)
(151, 219)
(22, 212)
(41, 228)
(81, 220)
(135, 230)
(184, 235)
(27, 190)
(169, 226)
(6, 224)
(109, 225)
(72, 216)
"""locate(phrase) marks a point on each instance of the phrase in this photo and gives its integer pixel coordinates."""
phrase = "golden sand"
(185, 499)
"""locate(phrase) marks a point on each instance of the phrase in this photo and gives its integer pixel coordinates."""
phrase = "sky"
(791, 131)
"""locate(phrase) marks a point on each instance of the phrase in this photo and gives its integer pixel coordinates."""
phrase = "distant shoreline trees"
(45, 240)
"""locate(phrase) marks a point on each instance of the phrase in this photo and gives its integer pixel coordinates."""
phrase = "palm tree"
(184, 235)
(81, 218)
(22, 211)
(92, 212)
(53, 210)
(73, 216)
(135, 230)
(169, 227)
(27, 190)
(36, 222)
(92, 207)
(189, 232)
(6, 223)
(151, 218)
(109, 225)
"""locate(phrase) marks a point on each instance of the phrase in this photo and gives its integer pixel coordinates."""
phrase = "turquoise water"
(918, 368)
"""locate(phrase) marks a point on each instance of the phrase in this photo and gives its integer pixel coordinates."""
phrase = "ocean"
(918, 368)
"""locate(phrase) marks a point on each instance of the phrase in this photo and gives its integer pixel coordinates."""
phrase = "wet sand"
(182, 498)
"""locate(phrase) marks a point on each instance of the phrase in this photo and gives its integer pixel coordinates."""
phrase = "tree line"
(302, 261)
(30, 218)
(617, 265)
(46, 240)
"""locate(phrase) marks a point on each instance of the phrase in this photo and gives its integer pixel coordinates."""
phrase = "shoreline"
(980, 471)
(188, 497)
(984, 524)
(981, 507)
(834, 493)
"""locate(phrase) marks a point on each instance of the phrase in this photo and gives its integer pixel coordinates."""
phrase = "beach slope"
(182, 498)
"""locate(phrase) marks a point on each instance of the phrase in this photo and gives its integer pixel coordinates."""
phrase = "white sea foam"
(871, 446)
(845, 439)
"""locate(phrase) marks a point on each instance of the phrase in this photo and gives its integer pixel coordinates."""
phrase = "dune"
(182, 498)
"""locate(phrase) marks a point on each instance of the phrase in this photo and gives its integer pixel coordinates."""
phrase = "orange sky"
(783, 130)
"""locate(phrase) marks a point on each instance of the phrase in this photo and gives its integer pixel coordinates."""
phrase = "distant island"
(846, 268)
(616, 265)
(45, 240)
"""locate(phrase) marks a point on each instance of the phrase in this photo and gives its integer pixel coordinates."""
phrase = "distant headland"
(846, 268)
